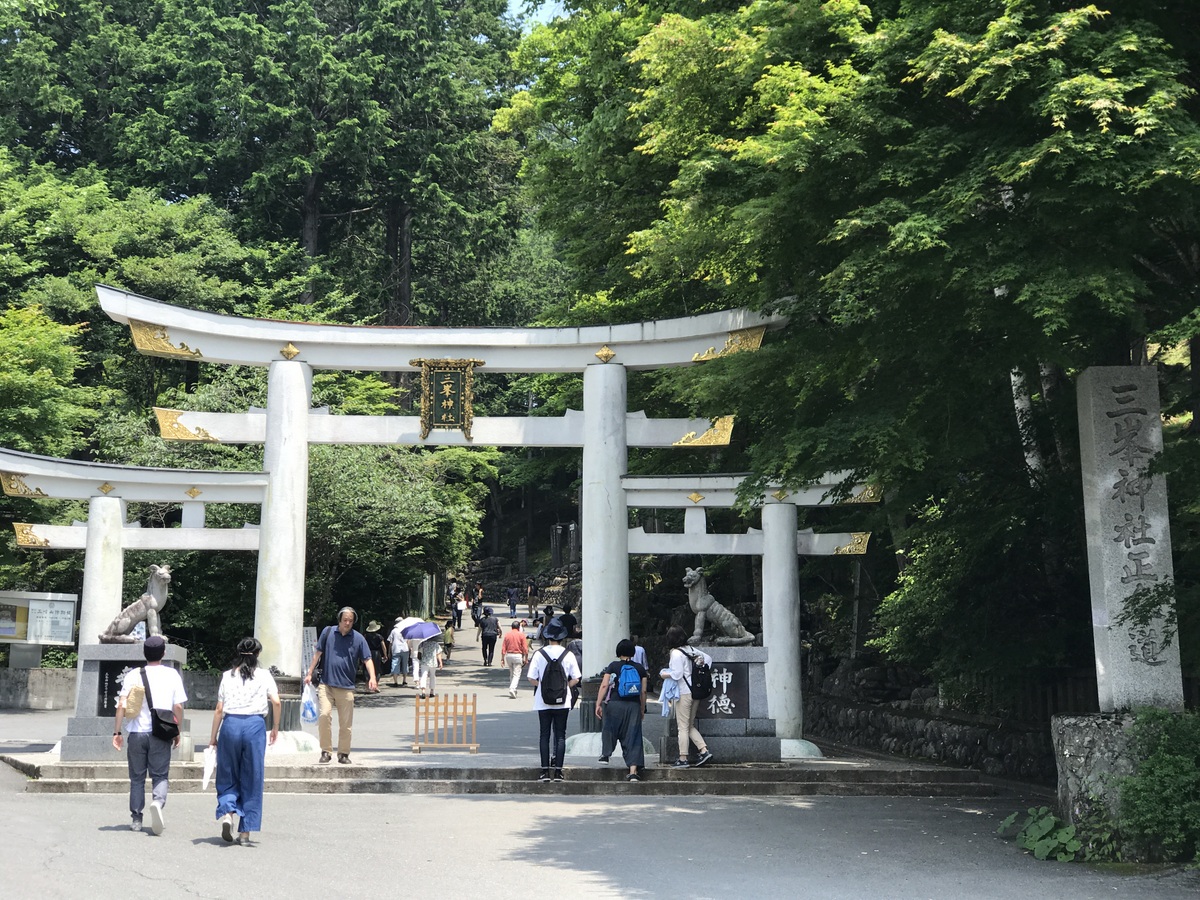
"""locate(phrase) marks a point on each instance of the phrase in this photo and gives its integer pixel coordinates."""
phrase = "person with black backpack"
(553, 672)
(691, 670)
(621, 706)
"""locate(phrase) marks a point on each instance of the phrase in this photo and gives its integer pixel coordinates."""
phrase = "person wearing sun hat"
(380, 651)
(489, 628)
(552, 718)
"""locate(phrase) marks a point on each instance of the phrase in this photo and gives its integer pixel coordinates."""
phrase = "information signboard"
(37, 618)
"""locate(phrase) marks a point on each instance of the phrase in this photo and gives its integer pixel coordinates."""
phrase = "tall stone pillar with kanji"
(1128, 537)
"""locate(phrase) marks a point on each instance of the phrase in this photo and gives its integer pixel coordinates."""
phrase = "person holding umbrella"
(239, 735)
(425, 659)
(430, 652)
(339, 651)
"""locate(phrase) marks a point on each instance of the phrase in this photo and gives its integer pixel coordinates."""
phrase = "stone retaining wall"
(977, 742)
(55, 689)
(37, 688)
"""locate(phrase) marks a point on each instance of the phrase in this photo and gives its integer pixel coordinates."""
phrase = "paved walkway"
(507, 729)
(514, 847)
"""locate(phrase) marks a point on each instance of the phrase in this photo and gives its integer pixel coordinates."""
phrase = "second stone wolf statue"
(730, 631)
(144, 609)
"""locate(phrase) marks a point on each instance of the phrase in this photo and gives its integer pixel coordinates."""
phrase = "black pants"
(457, 618)
(623, 723)
(555, 719)
(489, 648)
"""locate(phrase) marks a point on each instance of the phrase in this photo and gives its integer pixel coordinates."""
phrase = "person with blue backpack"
(621, 706)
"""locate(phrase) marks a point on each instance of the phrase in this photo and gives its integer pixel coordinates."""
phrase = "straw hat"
(373, 626)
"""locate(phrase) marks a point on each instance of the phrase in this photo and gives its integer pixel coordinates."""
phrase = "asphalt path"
(79, 845)
(498, 847)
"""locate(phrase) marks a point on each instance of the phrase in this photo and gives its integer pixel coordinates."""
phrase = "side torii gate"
(291, 351)
(106, 535)
(778, 543)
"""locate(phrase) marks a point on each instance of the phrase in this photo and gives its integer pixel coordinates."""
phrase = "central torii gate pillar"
(781, 617)
(279, 608)
(605, 518)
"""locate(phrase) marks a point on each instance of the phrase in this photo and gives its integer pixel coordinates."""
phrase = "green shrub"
(59, 658)
(1098, 832)
(1044, 834)
(1160, 804)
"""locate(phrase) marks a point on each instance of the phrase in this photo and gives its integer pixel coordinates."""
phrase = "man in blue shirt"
(339, 651)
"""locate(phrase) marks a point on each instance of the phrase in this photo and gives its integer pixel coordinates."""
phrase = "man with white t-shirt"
(146, 752)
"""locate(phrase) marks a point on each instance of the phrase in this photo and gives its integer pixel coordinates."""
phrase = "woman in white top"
(679, 669)
(239, 722)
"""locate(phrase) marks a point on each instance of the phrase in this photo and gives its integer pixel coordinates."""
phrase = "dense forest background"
(959, 204)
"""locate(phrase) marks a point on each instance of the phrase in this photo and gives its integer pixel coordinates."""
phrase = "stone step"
(827, 777)
(747, 774)
(652, 784)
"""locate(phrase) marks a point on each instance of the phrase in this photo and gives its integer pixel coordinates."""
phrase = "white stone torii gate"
(293, 350)
(778, 543)
(106, 536)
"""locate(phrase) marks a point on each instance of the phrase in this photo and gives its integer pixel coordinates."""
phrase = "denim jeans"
(555, 719)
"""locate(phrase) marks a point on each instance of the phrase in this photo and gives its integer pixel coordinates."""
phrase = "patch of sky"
(536, 11)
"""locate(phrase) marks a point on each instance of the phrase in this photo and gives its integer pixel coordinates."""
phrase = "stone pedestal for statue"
(90, 730)
(735, 720)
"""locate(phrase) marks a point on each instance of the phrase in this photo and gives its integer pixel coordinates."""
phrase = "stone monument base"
(1092, 752)
(588, 745)
(90, 730)
(734, 721)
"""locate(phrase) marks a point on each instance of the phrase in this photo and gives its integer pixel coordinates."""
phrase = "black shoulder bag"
(318, 669)
(162, 721)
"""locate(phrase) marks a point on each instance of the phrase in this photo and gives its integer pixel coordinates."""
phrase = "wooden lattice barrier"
(443, 721)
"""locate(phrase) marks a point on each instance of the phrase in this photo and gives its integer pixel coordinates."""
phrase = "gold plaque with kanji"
(447, 394)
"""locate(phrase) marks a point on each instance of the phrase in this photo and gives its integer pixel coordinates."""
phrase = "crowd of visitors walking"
(547, 650)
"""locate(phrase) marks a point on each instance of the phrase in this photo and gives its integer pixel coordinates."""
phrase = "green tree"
(954, 203)
(42, 408)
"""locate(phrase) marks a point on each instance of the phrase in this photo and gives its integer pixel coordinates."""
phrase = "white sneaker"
(156, 817)
(227, 828)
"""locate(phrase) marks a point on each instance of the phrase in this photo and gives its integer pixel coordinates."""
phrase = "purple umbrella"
(420, 631)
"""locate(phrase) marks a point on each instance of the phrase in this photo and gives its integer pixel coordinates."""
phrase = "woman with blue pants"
(239, 733)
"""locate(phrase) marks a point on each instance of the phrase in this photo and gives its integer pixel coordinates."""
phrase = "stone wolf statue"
(730, 631)
(146, 608)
